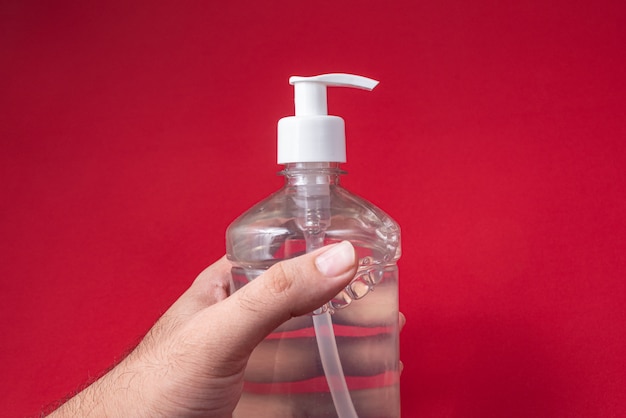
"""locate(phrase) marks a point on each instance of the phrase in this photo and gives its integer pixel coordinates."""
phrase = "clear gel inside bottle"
(287, 375)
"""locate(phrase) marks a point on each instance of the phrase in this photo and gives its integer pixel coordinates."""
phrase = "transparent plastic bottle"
(343, 359)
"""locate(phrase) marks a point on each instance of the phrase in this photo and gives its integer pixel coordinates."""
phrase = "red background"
(133, 134)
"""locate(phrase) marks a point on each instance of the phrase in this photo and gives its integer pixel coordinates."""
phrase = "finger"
(376, 310)
(210, 287)
(290, 288)
(401, 320)
(213, 284)
(367, 402)
(299, 362)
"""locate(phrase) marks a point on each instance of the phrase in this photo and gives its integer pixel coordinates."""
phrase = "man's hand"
(191, 363)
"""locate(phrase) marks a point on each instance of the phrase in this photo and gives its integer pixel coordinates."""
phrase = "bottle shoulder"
(269, 224)
(278, 208)
(351, 201)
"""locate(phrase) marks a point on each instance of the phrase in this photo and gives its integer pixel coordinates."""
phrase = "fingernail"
(336, 260)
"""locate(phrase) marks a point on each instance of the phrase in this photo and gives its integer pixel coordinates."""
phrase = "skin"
(191, 363)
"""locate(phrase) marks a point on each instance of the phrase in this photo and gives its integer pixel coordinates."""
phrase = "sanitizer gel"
(342, 360)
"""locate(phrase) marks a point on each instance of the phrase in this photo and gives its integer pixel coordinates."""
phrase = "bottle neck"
(310, 186)
(312, 173)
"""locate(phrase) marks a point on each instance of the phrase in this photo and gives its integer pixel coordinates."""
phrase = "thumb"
(290, 288)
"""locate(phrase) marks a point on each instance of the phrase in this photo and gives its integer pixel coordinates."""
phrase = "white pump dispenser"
(312, 135)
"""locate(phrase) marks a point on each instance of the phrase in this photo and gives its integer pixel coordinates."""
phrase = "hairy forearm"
(114, 394)
(97, 400)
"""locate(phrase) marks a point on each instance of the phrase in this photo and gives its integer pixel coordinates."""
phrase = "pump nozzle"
(312, 135)
(310, 92)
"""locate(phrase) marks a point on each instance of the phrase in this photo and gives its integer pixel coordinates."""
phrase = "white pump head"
(312, 135)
